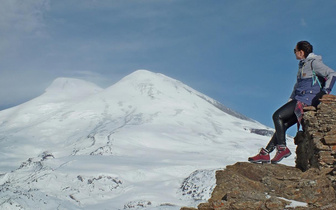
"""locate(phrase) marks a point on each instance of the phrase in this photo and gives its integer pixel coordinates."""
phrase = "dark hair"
(305, 46)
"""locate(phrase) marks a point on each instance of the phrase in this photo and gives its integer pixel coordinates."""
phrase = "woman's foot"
(282, 152)
(262, 157)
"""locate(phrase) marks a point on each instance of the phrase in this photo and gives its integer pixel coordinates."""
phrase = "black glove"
(316, 99)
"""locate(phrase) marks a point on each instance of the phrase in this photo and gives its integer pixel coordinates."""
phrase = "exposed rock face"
(309, 185)
(269, 186)
(317, 143)
(263, 132)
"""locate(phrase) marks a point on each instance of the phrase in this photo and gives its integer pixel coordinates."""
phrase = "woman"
(307, 91)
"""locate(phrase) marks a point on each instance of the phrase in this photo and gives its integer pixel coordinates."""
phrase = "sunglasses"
(295, 50)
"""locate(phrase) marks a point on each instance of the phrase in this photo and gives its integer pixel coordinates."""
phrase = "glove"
(316, 99)
(326, 90)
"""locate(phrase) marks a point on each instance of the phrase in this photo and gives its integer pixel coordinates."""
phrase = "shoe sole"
(260, 161)
(275, 162)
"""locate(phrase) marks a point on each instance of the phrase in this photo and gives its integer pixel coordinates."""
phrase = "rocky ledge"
(269, 186)
(308, 185)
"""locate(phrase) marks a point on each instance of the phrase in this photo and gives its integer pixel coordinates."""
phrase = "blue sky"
(239, 52)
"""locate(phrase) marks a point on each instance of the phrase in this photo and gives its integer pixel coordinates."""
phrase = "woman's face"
(299, 54)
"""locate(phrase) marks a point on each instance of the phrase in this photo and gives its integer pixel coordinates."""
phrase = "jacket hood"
(312, 56)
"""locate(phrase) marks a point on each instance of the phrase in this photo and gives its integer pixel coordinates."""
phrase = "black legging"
(283, 119)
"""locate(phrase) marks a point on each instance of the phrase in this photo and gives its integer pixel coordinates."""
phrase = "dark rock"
(262, 132)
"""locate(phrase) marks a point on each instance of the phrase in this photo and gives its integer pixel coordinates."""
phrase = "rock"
(310, 184)
(316, 146)
(270, 186)
(328, 99)
(262, 132)
(330, 140)
(309, 108)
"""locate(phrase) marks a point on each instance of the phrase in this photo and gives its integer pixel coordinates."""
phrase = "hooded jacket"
(306, 87)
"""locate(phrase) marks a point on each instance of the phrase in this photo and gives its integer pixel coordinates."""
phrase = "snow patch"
(199, 185)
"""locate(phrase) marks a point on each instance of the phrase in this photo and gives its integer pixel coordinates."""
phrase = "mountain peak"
(143, 75)
(160, 86)
(63, 84)
(142, 72)
(69, 88)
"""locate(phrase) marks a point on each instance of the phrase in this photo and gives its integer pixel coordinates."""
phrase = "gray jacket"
(306, 87)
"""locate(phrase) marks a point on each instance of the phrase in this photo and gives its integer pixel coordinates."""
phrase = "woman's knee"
(276, 116)
(285, 112)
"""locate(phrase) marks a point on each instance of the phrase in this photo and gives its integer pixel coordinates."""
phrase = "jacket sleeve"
(323, 70)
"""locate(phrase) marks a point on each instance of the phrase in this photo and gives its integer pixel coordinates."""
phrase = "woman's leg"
(272, 144)
(285, 125)
(283, 119)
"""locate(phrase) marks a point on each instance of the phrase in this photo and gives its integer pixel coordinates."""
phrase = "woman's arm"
(323, 70)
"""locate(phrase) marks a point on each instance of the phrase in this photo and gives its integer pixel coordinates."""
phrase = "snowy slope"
(148, 141)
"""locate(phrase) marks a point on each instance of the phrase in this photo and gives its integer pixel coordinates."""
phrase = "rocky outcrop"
(317, 142)
(269, 186)
(308, 185)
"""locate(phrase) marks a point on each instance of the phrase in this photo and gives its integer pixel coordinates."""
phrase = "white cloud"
(91, 76)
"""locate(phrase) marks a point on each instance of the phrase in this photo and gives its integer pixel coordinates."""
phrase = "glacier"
(147, 142)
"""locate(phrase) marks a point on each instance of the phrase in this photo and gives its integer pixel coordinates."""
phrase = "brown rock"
(330, 140)
(269, 186)
(309, 108)
(328, 99)
(274, 186)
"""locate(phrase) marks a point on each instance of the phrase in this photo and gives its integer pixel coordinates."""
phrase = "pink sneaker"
(282, 152)
(262, 157)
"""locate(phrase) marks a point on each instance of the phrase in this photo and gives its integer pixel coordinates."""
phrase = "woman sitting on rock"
(307, 91)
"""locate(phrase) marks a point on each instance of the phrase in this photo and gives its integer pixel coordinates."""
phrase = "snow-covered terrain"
(148, 141)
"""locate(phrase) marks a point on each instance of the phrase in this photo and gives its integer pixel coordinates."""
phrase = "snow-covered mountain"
(148, 141)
